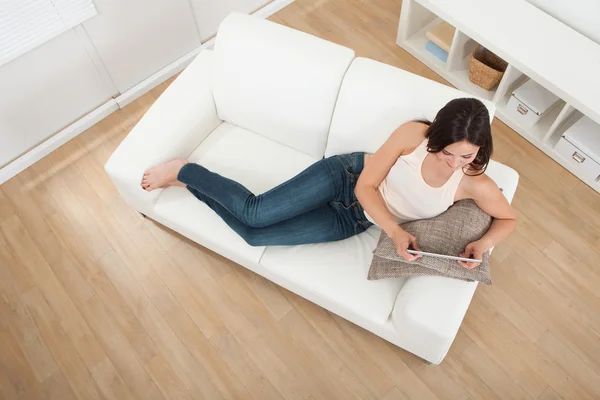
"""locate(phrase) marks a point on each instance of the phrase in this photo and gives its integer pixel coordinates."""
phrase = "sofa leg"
(144, 215)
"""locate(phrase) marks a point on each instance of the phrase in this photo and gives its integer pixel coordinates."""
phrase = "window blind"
(26, 24)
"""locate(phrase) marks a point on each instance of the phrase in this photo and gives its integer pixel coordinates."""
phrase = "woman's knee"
(252, 216)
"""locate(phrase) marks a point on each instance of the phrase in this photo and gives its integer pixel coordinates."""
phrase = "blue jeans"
(317, 205)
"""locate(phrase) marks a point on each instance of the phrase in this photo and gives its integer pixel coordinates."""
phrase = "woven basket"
(486, 68)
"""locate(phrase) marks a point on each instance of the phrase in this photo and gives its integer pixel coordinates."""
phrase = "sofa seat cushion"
(334, 275)
(254, 161)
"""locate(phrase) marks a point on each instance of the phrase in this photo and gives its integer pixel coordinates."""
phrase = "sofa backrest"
(277, 81)
(376, 98)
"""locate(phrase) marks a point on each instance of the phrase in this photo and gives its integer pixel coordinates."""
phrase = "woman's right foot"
(163, 175)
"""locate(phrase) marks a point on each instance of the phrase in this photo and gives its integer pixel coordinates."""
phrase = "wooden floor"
(96, 302)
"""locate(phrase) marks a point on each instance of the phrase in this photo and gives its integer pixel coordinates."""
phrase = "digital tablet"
(424, 253)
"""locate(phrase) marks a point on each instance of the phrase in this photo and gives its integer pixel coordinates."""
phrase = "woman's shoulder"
(476, 186)
(409, 136)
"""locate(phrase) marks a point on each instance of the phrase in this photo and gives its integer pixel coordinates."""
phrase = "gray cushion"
(448, 233)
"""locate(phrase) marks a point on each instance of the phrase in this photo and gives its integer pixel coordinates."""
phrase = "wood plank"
(501, 251)
(163, 235)
(532, 231)
(328, 362)
(6, 210)
(245, 369)
(248, 334)
(22, 247)
(306, 370)
(7, 391)
(73, 211)
(549, 394)
(267, 292)
(133, 258)
(281, 374)
(405, 379)
(568, 388)
(516, 313)
(160, 261)
(395, 394)
(217, 265)
(514, 338)
(554, 282)
(492, 374)
(577, 369)
(467, 378)
(22, 279)
(587, 195)
(560, 323)
(576, 320)
(71, 365)
(461, 341)
(160, 334)
(566, 227)
(585, 275)
(355, 357)
(555, 193)
(507, 360)
(110, 382)
(57, 387)
(17, 369)
(119, 351)
(24, 330)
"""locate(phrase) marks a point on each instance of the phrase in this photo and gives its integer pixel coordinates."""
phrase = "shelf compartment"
(417, 42)
(567, 117)
(459, 65)
(536, 133)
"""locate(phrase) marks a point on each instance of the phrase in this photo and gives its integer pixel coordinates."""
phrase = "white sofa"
(261, 107)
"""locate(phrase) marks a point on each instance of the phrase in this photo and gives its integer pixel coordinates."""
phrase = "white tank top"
(406, 194)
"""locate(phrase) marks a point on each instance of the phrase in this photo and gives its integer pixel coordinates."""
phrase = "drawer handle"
(521, 109)
(578, 157)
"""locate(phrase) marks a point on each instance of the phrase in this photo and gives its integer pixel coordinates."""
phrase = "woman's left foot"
(163, 175)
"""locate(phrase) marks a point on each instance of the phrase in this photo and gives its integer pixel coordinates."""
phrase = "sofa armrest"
(429, 309)
(428, 313)
(180, 119)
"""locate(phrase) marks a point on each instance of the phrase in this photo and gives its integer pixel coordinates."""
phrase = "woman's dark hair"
(462, 119)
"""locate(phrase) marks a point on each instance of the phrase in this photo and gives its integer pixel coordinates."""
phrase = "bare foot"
(163, 175)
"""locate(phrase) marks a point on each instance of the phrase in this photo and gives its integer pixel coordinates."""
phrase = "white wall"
(136, 38)
(210, 13)
(57, 83)
(581, 15)
(43, 91)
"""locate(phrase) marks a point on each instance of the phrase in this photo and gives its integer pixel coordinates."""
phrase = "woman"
(420, 171)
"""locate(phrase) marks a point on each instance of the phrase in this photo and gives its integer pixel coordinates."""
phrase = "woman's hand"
(475, 250)
(403, 240)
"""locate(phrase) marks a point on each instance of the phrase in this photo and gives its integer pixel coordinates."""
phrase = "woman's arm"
(484, 191)
(404, 139)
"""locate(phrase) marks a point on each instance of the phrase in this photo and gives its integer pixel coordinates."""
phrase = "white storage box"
(580, 147)
(529, 102)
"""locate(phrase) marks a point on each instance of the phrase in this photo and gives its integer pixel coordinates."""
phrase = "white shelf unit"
(535, 45)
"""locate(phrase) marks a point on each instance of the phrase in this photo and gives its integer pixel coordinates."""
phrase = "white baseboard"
(121, 101)
(272, 8)
(54, 142)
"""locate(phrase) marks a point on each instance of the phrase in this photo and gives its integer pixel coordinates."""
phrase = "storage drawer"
(582, 164)
(530, 102)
